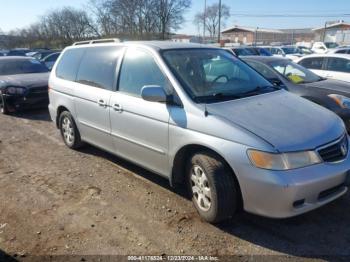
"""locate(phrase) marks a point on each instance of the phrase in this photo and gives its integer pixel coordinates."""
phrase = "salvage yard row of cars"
(237, 133)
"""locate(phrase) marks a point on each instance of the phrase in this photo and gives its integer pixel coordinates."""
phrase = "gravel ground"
(55, 201)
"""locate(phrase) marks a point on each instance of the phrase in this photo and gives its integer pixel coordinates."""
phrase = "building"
(250, 35)
(336, 31)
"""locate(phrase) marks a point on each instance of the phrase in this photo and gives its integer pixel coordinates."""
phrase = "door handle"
(117, 107)
(101, 102)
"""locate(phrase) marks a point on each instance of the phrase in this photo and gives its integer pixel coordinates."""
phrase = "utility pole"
(204, 19)
(219, 35)
(325, 29)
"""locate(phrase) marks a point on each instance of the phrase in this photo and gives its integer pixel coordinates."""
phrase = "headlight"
(15, 90)
(285, 161)
(342, 101)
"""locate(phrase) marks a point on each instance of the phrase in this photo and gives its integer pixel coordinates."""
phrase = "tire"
(216, 195)
(69, 131)
(3, 107)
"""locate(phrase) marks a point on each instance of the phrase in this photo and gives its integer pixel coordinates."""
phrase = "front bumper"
(282, 194)
(21, 102)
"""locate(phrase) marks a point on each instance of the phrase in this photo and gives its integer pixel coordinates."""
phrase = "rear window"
(98, 67)
(27, 66)
(69, 63)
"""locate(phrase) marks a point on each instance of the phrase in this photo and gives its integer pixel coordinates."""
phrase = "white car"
(290, 52)
(323, 47)
(333, 66)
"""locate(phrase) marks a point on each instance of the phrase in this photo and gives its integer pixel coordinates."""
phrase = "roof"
(298, 31)
(16, 58)
(157, 45)
(332, 26)
(251, 29)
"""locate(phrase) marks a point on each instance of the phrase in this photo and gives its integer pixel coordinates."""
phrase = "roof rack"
(98, 41)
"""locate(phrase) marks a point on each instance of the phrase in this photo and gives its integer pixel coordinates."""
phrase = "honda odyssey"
(201, 117)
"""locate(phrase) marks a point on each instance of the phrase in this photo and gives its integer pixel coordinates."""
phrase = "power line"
(290, 15)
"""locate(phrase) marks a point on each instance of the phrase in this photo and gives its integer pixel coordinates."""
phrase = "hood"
(26, 80)
(330, 84)
(288, 122)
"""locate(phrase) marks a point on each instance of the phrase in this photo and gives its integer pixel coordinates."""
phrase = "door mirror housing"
(154, 94)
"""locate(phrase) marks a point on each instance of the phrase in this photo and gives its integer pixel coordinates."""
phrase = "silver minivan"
(201, 118)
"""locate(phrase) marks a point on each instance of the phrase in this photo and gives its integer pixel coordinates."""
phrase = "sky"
(21, 13)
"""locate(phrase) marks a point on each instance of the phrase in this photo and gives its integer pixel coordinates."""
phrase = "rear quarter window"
(68, 65)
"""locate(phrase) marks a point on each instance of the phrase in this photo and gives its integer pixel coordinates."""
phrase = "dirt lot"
(55, 201)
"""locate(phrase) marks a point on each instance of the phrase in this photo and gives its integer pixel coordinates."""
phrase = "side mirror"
(278, 83)
(154, 94)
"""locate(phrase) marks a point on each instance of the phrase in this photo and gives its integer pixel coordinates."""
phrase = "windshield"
(294, 72)
(291, 50)
(331, 45)
(210, 75)
(28, 66)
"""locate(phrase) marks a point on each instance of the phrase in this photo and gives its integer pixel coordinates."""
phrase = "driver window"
(138, 70)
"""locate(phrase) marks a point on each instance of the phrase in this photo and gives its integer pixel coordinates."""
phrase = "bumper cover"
(283, 194)
(19, 102)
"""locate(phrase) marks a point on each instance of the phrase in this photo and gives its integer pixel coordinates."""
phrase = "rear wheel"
(69, 131)
(215, 194)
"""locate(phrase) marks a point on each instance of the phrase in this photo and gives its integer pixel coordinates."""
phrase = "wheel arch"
(60, 109)
(178, 171)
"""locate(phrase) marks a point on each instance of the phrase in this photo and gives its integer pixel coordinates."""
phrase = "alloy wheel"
(200, 188)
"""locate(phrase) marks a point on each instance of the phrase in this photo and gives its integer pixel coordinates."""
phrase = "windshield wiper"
(216, 96)
(257, 90)
(230, 96)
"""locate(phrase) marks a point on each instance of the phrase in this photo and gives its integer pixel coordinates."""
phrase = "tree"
(171, 14)
(211, 17)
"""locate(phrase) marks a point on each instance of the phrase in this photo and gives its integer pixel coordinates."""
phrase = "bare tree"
(211, 18)
(135, 19)
(171, 14)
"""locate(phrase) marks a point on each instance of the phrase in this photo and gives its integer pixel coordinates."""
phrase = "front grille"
(336, 151)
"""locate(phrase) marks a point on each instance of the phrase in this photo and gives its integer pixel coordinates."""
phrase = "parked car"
(332, 94)
(18, 52)
(50, 60)
(305, 50)
(322, 48)
(41, 54)
(249, 50)
(343, 50)
(333, 66)
(23, 84)
(289, 52)
(208, 120)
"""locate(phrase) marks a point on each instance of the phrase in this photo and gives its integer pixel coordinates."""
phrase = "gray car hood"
(25, 80)
(286, 121)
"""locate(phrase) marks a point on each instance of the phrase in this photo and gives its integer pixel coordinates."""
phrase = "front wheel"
(69, 131)
(3, 106)
(215, 193)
